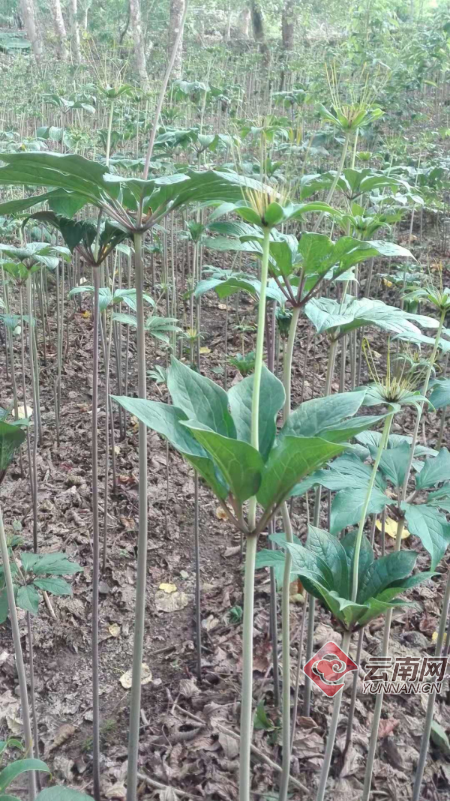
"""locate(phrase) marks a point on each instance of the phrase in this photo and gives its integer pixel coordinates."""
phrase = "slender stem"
(250, 558)
(388, 623)
(285, 600)
(19, 655)
(95, 544)
(159, 105)
(420, 409)
(335, 179)
(359, 536)
(332, 732)
(33, 465)
(108, 138)
(141, 580)
(431, 699)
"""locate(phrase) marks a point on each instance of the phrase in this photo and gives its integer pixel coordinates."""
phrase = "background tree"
(138, 39)
(28, 13)
(176, 16)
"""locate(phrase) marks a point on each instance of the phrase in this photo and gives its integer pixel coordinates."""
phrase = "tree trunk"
(287, 24)
(75, 31)
(136, 26)
(29, 20)
(257, 22)
(176, 16)
(60, 30)
(244, 23)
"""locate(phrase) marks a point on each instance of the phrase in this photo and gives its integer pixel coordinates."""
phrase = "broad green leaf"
(394, 462)
(240, 464)
(434, 470)
(62, 794)
(365, 554)
(385, 571)
(271, 400)
(440, 393)
(125, 319)
(57, 586)
(209, 472)
(165, 420)
(315, 417)
(431, 527)
(347, 506)
(11, 437)
(200, 398)
(276, 561)
(18, 767)
(9, 798)
(329, 548)
(290, 460)
(439, 737)
(28, 598)
(4, 608)
(56, 564)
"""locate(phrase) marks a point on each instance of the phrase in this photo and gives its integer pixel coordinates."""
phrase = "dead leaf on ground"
(114, 630)
(229, 744)
(168, 588)
(146, 678)
(387, 727)
(170, 603)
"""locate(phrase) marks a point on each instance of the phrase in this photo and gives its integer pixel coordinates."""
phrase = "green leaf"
(18, 767)
(329, 548)
(347, 506)
(4, 608)
(385, 571)
(434, 470)
(431, 527)
(9, 798)
(240, 464)
(271, 400)
(439, 737)
(290, 460)
(315, 417)
(57, 586)
(28, 598)
(394, 462)
(62, 794)
(165, 420)
(56, 564)
(276, 561)
(11, 437)
(365, 554)
(440, 395)
(200, 398)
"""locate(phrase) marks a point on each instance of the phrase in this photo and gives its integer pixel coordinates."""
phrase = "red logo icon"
(328, 667)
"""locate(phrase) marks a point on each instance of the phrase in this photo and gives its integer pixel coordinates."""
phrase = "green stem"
(359, 536)
(336, 178)
(250, 558)
(333, 730)
(95, 545)
(141, 580)
(431, 699)
(285, 600)
(108, 138)
(19, 655)
(420, 411)
(388, 623)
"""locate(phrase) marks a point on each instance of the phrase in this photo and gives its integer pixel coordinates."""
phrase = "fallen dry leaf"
(221, 514)
(387, 727)
(126, 678)
(172, 602)
(114, 630)
(168, 588)
(391, 528)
